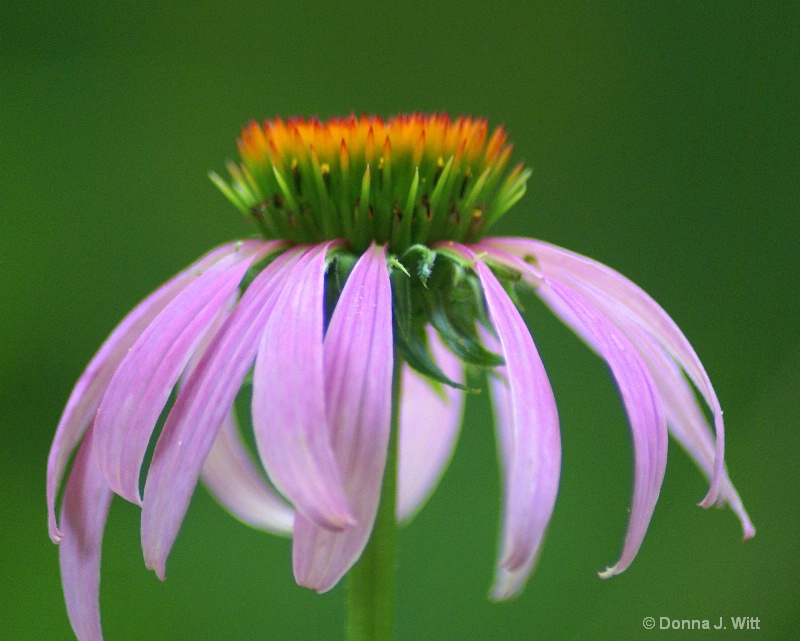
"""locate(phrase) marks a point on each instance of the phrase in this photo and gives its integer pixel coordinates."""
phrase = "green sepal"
(463, 344)
(463, 286)
(419, 260)
(392, 263)
(453, 302)
(409, 337)
(503, 273)
(481, 313)
(415, 352)
(510, 280)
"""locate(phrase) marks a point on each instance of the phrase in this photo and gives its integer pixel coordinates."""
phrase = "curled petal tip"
(712, 498)
(748, 529)
(312, 584)
(614, 570)
(157, 563)
(159, 567)
(52, 524)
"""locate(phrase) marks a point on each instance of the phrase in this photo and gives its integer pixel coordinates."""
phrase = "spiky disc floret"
(412, 179)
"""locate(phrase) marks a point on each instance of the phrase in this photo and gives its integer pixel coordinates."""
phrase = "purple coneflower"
(357, 316)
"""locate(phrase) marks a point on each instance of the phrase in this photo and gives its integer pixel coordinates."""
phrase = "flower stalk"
(371, 581)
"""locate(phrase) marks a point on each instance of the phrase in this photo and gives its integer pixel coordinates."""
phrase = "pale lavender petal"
(83, 518)
(685, 419)
(642, 405)
(632, 301)
(201, 406)
(142, 384)
(358, 393)
(680, 403)
(229, 472)
(288, 406)
(88, 391)
(234, 480)
(527, 429)
(507, 582)
(637, 389)
(430, 418)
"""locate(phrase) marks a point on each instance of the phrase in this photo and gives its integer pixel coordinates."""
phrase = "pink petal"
(507, 583)
(91, 386)
(685, 419)
(633, 302)
(430, 418)
(142, 384)
(201, 407)
(233, 479)
(637, 388)
(229, 472)
(83, 519)
(358, 393)
(528, 434)
(289, 420)
(642, 405)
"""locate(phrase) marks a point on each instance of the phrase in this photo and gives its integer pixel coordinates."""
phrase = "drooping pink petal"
(633, 302)
(685, 419)
(229, 472)
(430, 418)
(642, 405)
(204, 401)
(143, 382)
(83, 518)
(358, 393)
(288, 405)
(233, 479)
(507, 583)
(88, 391)
(528, 434)
(637, 389)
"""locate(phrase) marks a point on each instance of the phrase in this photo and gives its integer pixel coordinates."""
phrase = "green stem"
(370, 599)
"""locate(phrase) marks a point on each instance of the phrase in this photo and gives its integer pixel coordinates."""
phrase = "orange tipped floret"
(428, 165)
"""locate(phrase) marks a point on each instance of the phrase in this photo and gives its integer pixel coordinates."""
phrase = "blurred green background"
(664, 141)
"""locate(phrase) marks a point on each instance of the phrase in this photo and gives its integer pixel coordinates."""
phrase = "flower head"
(409, 180)
(373, 266)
